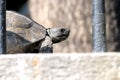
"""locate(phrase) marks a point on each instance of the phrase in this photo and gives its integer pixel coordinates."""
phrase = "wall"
(60, 67)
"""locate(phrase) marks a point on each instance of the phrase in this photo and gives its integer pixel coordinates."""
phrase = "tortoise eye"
(62, 30)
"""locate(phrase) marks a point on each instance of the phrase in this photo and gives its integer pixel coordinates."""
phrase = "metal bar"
(98, 25)
(2, 26)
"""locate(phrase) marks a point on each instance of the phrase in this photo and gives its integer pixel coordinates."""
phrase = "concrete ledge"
(60, 67)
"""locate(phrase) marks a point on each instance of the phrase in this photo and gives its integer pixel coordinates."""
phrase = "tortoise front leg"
(46, 46)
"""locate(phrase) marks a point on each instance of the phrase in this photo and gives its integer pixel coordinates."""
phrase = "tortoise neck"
(48, 32)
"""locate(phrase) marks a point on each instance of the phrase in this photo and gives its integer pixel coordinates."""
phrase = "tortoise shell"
(22, 31)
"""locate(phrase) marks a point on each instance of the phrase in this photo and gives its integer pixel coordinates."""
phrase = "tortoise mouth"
(59, 38)
(63, 35)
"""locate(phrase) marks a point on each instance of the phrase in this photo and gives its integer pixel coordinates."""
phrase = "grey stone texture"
(60, 67)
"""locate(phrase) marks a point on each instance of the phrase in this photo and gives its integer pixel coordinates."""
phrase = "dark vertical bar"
(98, 25)
(2, 26)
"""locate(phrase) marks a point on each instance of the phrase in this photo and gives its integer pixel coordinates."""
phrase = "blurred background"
(76, 14)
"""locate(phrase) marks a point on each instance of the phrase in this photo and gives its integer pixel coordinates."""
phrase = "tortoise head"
(58, 34)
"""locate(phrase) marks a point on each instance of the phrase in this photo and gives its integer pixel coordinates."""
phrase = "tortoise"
(23, 35)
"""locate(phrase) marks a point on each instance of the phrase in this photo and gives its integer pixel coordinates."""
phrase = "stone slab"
(60, 67)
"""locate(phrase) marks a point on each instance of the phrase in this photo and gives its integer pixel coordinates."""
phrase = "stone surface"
(60, 67)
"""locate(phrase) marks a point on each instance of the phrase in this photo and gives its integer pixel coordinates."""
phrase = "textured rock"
(60, 67)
